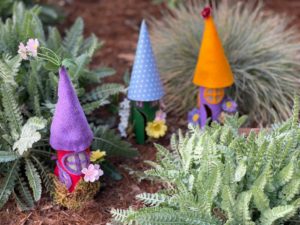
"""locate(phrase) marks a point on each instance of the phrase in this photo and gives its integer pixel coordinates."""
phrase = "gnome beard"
(71, 135)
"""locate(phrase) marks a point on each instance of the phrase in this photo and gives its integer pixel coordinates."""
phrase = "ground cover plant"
(28, 94)
(50, 14)
(217, 176)
(262, 49)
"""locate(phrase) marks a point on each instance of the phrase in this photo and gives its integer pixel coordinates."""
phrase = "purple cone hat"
(70, 130)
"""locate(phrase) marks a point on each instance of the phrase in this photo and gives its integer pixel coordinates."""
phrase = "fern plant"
(262, 49)
(217, 176)
(23, 145)
(38, 86)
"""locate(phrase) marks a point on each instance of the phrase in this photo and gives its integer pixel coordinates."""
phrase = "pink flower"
(23, 51)
(160, 116)
(92, 173)
(32, 47)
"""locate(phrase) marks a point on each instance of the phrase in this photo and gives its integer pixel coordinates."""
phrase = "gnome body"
(145, 89)
(70, 135)
(212, 74)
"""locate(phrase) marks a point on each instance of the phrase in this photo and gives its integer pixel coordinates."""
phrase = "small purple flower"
(23, 51)
(194, 116)
(229, 106)
(32, 47)
(160, 116)
(92, 173)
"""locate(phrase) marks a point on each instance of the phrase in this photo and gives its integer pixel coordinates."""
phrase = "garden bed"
(116, 23)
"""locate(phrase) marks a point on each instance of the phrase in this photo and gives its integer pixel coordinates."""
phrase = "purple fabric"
(215, 109)
(64, 177)
(70, 130)
(80, 161)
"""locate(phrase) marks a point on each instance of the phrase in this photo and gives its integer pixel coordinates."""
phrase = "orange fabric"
(213, 69)
(214, 95)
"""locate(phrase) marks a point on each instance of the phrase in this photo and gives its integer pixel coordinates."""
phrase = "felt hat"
(145, 84)
(70, 130)
(213, 69)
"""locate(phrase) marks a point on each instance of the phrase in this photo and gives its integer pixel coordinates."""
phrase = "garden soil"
(116, 22)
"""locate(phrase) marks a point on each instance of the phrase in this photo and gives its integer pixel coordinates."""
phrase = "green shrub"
(28, 93)
(50, 14)
(217, 176)
(262, 48)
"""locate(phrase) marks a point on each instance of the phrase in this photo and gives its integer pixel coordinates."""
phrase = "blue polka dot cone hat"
(145, 84)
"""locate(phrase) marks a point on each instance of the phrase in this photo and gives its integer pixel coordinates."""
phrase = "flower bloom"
(92, 173)
(160, 116)
(97, 155)
(229, 106)
(156, 129)
(194, 116)
(23, 51)
(124, 113)
(32, 47)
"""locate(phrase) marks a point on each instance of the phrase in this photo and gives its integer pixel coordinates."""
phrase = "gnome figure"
(70, 135)
(145, 89)
(212, 74)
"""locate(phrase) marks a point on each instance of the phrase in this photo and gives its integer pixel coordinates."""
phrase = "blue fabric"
(145, 84)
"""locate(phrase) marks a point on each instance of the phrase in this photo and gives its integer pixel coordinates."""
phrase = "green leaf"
(106, 140)
(7, 156)
(74, 38)
(29, 134)
(68, 63)
(34, 180)
(111, 170)
(8, 183)
(270, 216)
(261, 200)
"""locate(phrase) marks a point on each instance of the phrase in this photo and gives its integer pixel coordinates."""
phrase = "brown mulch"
(116, 22)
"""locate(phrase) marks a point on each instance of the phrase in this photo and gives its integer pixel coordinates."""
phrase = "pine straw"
(262, 48)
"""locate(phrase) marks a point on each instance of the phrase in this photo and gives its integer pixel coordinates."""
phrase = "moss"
(84, 191)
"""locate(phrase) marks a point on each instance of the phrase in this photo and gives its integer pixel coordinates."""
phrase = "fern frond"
(8, 183)
(44, 173)
(106, 140)
(290, 190)
(271, 215)
(285, 175)
(9, 68)
(26, 200)
(261, 200)
(242, 207)
(103, 92)
(29, 134)
(90, 45)
(74, 38)
(34, 180)
(11, 109)
(153, 199)
(7, 156)
(92, 106)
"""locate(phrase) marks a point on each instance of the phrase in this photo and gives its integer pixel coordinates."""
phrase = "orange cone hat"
(213, 69)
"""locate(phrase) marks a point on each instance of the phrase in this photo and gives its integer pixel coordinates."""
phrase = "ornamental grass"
(262, 48)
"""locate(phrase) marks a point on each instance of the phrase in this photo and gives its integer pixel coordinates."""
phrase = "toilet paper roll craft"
(212, 74)
(70, 135)
(145, 90)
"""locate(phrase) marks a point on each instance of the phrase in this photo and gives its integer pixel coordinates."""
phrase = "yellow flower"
(97, 155)
(156, 129)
